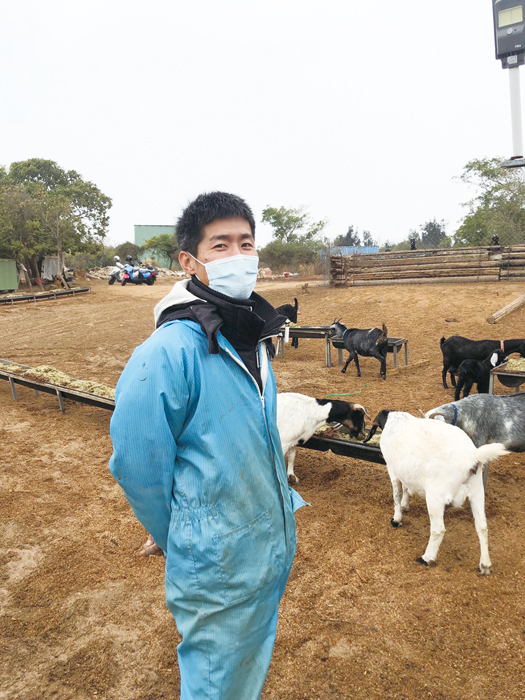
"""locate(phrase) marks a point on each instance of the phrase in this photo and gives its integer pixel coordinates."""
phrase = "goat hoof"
(420, 560)
(394, 523)
(343, 371)
(485, 570)
(292, 479)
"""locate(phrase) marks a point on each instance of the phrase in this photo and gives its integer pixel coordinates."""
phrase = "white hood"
(178, 295)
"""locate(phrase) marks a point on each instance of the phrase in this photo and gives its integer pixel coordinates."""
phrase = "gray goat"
(487, 418)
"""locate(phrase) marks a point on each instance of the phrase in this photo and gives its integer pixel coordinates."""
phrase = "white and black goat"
(457, 348)
(472, 372)
(487, 418)
(440, 462)
(290, 311)
(299, 416)
(370, 342)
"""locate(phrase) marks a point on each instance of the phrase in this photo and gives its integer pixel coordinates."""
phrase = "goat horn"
(422, 414)
(362, 408)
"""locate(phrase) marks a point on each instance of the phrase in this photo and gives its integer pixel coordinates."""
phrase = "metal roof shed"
(8, 276)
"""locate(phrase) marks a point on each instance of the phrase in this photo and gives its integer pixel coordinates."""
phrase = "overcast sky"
(362, 112)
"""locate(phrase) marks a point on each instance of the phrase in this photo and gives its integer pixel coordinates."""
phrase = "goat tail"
(442, 340)
(486, 453)
(296, 303)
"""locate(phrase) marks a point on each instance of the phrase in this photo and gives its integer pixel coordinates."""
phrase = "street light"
(509, 38)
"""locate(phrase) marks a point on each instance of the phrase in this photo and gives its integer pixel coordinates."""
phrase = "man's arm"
(150, 408)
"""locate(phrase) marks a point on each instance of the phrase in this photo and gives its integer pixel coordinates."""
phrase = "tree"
(432, 233)
(295, 238)
(287, 223)
(281, 256)
(48, 210)
(367, 239)
(351, 237)
(499, 206)
(165, 244)
(128, 248)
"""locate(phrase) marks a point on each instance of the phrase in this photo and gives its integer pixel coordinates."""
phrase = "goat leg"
(436, 510)
(289, 470)
(349, 359)
(477, 505)
(397, 489)
(357, 364)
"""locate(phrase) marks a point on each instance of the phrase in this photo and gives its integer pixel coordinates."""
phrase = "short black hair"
(204, 210)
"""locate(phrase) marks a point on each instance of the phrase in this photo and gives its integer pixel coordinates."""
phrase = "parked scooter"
(138, 274)
(116, 275)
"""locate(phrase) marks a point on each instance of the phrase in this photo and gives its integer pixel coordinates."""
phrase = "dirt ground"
(82, 616)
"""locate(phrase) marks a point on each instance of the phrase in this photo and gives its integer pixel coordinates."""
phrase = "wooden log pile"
(486, 263)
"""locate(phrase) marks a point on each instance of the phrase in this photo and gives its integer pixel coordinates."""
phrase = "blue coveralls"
(198, 455)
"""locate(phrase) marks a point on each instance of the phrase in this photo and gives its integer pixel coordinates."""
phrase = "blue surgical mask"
(234, 276)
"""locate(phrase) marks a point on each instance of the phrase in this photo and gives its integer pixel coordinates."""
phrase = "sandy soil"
(84, 617)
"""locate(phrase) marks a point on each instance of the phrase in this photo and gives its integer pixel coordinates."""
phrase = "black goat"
(456, 349)
(475, 372)
(371, 342)
(291, 314)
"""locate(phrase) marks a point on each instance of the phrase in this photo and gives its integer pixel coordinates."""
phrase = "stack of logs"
(486, 263)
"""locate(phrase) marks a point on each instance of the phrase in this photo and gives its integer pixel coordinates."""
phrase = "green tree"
(351, 237)
(128, 248)
(290, 225)
(432, 233)
(282, 256)
(21, 235)
(367, 239)
(68, 213)
(165, 244)
(498, 207)
(296, 240)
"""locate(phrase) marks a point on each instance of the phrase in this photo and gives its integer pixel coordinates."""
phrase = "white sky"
(363, 112)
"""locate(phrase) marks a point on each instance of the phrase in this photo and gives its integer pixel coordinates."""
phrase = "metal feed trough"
(307, 332)
(346, 448)
(61, 392)
(55, 294)
(510, 378)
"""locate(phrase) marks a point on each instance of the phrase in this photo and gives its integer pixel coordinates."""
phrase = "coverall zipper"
(261, 396)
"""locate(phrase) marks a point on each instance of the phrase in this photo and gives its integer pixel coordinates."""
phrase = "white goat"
(299, 416)
(438, 461)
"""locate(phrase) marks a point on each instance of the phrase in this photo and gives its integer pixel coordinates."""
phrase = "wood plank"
(507, 309)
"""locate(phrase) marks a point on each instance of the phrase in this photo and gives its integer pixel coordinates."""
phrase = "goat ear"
(494, 359)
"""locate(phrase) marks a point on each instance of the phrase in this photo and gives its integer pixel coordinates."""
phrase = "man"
(198, 454)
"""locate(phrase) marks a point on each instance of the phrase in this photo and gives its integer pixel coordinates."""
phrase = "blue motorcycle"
(141, 274)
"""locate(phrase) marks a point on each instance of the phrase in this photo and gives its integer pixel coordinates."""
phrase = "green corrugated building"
(8, 276)
(145, 232)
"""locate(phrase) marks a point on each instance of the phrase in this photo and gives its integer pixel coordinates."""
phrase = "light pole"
(509, 38)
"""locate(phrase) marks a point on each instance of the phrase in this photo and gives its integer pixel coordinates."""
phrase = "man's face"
(221, 239)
